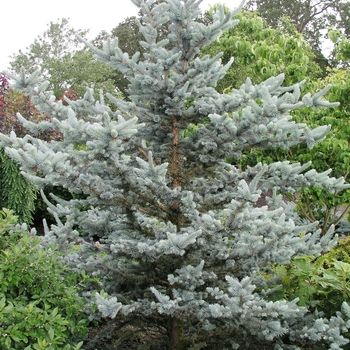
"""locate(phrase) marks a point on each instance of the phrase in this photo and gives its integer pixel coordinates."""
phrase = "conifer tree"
(16, 192)
(176, 234)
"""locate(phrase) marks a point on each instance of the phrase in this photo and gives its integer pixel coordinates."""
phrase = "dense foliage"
(321, 283)
(260, 52)
(17, 193)
(64, 62)
(333, 153)
(129, 38)
(311, 18)
(313, 203)
(342, 49)
(39, 306)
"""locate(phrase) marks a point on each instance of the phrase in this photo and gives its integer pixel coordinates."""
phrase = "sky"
(22, 20)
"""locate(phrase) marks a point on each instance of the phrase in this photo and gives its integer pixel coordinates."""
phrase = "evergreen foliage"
(175, 233)
(129, 38)
(317, 204)
(16, 192)
(333, 153)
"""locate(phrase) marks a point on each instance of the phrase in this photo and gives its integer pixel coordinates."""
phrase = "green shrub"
(322, 283)
(39, 304)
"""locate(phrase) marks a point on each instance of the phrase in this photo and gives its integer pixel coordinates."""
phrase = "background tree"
(175, 233)
(64, 62)
(342, 49)
(311, 18)
(260, 52)
(68, 66)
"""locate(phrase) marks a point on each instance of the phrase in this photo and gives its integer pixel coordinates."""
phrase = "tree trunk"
(175, 333)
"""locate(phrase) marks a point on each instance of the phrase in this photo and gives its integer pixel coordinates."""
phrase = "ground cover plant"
(175, 233)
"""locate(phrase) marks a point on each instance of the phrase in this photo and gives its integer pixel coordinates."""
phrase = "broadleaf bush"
(39, 303)
(322, 283)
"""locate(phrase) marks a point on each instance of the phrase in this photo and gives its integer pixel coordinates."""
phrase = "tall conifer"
(177, 235)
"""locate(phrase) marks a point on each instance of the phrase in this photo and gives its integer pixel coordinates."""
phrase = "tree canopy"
(260, 52)
(312, 18)
(63, 61)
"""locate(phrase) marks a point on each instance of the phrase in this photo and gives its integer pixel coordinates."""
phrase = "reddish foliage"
(70, 94)
(4, 83)
(13, 102)
(4, 87)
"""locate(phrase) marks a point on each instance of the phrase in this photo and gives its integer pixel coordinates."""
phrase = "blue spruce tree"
(175, 233)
